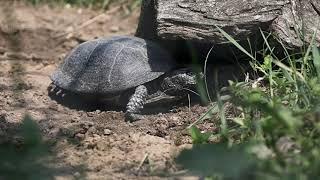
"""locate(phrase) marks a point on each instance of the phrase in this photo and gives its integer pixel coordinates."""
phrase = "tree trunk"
(293, 21)
(298, 22)
(183, 50)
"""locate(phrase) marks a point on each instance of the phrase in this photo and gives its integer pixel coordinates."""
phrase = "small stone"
(286, 144)
(262, 151)
(96, 136)
(175, 118)
(107, 132)
(68, 6)
(79, 136)
(69, 29)
(79, 11)
(91, 130)
(77, 175)
(114, 28)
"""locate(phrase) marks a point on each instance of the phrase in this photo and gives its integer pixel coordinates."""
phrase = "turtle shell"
(111, 65)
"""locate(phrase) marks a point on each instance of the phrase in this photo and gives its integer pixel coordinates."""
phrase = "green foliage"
(197, 136)
(220, 157)
(279, 112)
(25, 159)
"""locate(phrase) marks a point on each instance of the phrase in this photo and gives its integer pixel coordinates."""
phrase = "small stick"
(142, 161)
(189, 101)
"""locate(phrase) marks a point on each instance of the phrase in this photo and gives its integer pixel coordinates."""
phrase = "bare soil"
(33, 41)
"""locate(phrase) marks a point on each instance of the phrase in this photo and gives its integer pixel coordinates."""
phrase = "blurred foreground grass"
(25, 154)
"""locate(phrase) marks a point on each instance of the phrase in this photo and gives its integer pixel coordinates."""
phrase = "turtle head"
(181, 79)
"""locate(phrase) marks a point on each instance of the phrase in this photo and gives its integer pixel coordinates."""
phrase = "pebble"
(175, 118)
(68, 6)
(77, 175)
(79, 11)
(107, 132)
(97, 136)
(114, 28)
(79, 136)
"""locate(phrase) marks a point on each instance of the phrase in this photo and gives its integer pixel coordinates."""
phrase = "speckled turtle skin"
(113, 66)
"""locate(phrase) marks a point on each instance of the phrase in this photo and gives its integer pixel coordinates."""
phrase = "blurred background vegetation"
(100, 4)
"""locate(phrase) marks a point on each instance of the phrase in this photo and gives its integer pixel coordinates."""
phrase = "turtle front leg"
(135, 104)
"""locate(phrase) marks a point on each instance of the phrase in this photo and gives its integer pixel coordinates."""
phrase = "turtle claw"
(55, 89)
(52, 88)
(59, 92)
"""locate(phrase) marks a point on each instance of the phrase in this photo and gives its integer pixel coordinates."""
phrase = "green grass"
(277, 135)
(103, 4)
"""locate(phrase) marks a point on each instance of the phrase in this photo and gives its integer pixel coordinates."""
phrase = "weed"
(26, 155)
(280, 115)
(24, 159)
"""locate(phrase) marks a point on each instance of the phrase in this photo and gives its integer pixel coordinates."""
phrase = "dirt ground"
(33, 41)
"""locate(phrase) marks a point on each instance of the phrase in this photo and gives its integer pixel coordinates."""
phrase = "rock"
(114, 29)
(107, 132)
(79, 136)
(261, 151)
(286, 145)
(77, 175)
(67, 6)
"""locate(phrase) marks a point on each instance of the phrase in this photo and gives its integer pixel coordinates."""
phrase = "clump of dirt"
(31, 47)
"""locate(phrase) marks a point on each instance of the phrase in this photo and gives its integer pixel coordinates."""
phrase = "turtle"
(126, 70)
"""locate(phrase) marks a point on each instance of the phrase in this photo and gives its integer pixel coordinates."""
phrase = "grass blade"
(316, 59)
(285, 67)
(234, 42)
(207, 115)
(306, 56)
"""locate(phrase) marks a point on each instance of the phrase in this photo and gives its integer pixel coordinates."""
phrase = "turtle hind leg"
(135, 104)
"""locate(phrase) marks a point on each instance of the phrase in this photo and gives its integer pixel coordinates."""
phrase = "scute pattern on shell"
(112, 65)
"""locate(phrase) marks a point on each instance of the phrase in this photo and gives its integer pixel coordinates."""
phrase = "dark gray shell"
(111, 65)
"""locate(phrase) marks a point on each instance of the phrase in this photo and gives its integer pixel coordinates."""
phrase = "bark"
(147, 29)
(298, 23)
(183, 50)
(293, 21)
